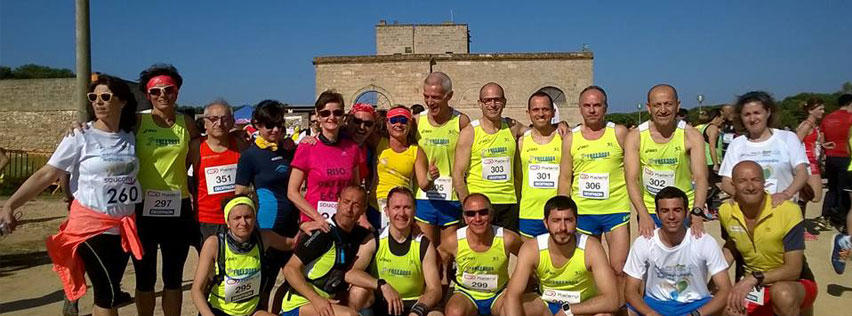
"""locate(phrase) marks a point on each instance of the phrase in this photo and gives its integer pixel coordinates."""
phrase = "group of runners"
(421, 217)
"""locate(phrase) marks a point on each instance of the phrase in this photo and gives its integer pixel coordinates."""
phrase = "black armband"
(419, 309)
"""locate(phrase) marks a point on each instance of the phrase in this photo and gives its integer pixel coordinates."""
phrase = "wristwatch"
(567, 309)
(697, 211)
(759, 277)
(695, 313)
(379, 283)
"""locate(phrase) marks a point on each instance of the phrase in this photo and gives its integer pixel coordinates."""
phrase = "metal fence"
(21, 166)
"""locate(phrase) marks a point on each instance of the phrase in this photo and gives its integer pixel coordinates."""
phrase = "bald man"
(485, 158)
(437, 133)
(777, 280)
(665, 152)
(727, 131)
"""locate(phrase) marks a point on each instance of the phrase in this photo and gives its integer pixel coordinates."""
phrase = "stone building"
(407, 53)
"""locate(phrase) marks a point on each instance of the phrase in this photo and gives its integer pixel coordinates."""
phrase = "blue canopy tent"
(243, 114)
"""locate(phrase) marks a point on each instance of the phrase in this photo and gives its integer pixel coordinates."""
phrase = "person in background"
(779, 152)
(835, 126)
(728, 130)
(811, 136)
(312, 130)
(98, 233)
(265, 167)
(362, 126)
(416, 109)
(681, 115)
(713, 150)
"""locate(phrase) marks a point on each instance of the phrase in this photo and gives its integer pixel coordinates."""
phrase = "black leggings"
(173, 236)
(105, 261)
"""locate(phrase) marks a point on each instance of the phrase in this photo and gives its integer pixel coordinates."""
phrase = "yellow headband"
(237, 201)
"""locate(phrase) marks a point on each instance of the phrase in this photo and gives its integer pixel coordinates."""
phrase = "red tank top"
(810, 145)
(216, 175)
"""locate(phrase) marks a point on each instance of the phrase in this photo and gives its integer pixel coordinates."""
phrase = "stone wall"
(400, 78)
(421, 39)
(35, 112)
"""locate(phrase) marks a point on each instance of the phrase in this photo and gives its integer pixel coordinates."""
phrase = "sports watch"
(567, 309)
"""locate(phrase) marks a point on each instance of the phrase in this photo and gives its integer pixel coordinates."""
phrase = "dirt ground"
(28, 286)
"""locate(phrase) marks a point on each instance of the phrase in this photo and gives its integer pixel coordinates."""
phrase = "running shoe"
(822, 223)
(841, 243)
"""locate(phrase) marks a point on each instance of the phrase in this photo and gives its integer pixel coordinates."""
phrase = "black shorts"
(104, 261)
(173, 236)
(506, 216)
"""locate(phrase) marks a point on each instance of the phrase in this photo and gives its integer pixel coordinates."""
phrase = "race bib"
(220, 179)
(327, 209)
(656, 180)
(442, 189)
(727, 137)
(237, 290)
(543, 176)
(771, 186)
(481, 282)
(560, 296)
(161, 203)
(120, 190)
(496, 169)
(755, 296)
(594, 185)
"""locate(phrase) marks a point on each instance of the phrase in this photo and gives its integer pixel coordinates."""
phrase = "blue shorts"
(667, 308)
(483, 307)
(532, 227)
(553, 307)
(599, 224)
(438, 213)
(658, 223)
(292, 312)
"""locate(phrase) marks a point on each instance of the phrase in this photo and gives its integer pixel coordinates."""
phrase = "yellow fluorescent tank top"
(239, 292)
(403, 271)
(571, 283)
(439, 144)
(598, 185)
(393, 169)
(162, 155)
(663, 165)
(481, 275)
(313, 270)
(491, 162)
(540, 164)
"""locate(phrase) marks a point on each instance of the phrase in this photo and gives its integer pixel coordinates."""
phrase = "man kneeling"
(674, 265)
(573, 271)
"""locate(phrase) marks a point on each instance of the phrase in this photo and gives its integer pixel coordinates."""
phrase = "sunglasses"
(482, 212)
(327, 113)
(359, 122)
(162, 90)
(398, 120)
(106, 97)
(314, 122)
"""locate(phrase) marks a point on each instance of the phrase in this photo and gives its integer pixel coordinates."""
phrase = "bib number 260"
(122, 195)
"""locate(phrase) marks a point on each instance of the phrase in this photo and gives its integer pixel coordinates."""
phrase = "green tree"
(33, 71)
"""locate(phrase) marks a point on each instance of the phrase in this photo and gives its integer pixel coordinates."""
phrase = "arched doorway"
(558, 98)
(377, 99)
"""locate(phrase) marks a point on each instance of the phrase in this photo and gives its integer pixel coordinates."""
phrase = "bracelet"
(419, 309)
(695, 313)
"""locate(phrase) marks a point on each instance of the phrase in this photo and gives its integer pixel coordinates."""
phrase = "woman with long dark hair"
(103, 167)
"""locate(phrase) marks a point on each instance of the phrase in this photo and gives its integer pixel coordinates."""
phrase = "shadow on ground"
(837, 289)
(14, 262)
(58, 296)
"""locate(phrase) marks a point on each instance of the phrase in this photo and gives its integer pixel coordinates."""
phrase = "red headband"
(161, 80)
(363, 107)
(399, 112)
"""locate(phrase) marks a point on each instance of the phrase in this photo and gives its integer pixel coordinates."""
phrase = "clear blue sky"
(246, 51)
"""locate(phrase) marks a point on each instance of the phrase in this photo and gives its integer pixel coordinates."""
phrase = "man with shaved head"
(437, 133)
(665, 152)
(770, 242)
(485, 155)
